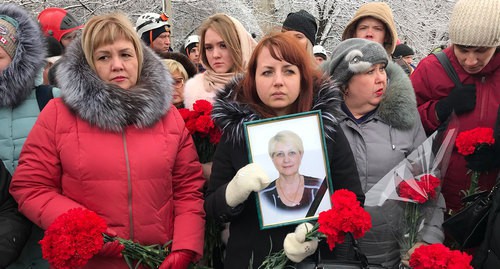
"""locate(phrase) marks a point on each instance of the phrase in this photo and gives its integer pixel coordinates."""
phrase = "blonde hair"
(225, 27)
(285, 136)
(106, 29)
(174, 66)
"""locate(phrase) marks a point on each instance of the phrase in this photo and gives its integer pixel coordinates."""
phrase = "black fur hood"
(230, 114)
(18, 79)
(108, 106)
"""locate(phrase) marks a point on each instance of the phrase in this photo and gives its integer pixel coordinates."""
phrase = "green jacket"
(18, 112)
(18, 122)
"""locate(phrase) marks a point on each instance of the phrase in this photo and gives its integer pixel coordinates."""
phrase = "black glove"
(461, 99)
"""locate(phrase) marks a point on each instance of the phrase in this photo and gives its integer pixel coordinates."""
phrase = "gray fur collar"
(399, 105)
(18, 79)
(230, 114)
(108, 106)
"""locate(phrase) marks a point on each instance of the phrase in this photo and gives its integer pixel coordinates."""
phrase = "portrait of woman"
(280, 80)
(291, 190)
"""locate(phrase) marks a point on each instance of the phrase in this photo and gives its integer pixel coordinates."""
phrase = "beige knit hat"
(377, 10)
(475, 23)
(8, 38)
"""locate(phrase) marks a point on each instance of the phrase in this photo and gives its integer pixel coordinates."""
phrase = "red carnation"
(419, 191)
(185, 113)
(201, 126)
(191, 126)
(411, 190)
(73, 239)
(204, 124)
(459, 260)
(77, 235)
(429, 185)
(203, 106)
(468, 141)
(437, 256)
(345, 216)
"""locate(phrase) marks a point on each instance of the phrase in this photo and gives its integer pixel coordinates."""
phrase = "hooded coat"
(124, 154)
(248, 245)
(379, 143)
(18, 113)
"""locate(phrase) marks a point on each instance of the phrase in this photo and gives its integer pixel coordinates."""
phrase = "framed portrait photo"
(291, 149)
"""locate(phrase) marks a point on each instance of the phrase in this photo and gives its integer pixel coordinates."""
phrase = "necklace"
(292, 201)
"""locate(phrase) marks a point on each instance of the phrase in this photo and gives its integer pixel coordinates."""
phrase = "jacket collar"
(230, 115)
(489, 69)
(108, 106)
(18, 79)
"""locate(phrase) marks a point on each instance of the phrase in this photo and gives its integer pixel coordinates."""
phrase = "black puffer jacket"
(248, 245)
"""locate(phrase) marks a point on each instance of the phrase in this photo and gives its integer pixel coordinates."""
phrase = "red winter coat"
(124, 154)
(144, 183)
(431, 83)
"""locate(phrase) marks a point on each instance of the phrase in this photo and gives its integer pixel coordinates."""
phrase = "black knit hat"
(402, 50)
(302, 21)
(54, 48)
(154, 34)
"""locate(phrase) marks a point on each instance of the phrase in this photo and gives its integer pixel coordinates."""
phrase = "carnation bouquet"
(471, 144)
(77, 235)
(205, 134)
(345, 218)
(412, 189)
(437, 256)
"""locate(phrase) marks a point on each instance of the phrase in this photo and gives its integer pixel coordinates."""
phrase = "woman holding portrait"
(115, 144)
(280, 80)
(291, 190)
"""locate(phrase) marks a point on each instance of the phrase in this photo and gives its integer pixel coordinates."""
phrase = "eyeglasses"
(178, 82)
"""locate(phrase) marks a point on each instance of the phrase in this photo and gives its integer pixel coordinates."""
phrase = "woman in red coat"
(475, 57)
(114, 144)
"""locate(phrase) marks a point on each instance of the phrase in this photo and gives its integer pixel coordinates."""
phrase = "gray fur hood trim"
(18, 79)
(399, 105)
(229, 114)
(108, 106)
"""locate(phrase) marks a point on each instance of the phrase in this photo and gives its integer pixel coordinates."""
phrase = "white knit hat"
(475, 23)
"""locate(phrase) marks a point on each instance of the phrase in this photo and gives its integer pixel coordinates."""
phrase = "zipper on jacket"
(390, 138)
(484, 100)
(129, 190)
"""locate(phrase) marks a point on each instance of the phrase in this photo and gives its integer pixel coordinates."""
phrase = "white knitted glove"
(295, 246)
(249, 178)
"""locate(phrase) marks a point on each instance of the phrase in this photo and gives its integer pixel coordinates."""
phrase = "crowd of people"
(90, 117)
